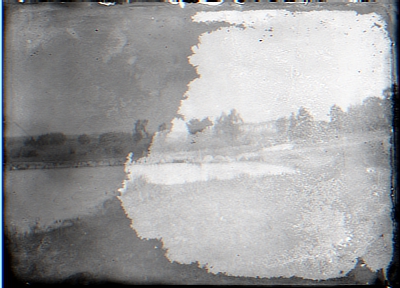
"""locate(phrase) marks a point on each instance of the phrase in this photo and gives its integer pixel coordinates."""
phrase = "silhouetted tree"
(321, 131)
(354, 121)
(84, 139)
(376, 113)
(304, 125)
(227, 126)
(30, 141)
(292, 126)
(115, 143)
(337, 118)
(195, 125)
(139, 131)
(30, 154)
(162, 127)
(282, 126)
(51, 139)
(337, 124)
(372, 115)
(388, 95)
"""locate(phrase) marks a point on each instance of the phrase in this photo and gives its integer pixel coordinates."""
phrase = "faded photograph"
(153, 143)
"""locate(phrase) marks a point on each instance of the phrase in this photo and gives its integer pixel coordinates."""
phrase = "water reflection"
(180, 173)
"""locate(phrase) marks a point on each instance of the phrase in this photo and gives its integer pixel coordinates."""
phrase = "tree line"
(373, 114)
(58, 146)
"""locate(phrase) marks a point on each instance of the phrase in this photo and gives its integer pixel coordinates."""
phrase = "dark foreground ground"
(103, 249)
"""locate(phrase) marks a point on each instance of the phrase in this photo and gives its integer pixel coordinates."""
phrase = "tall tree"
(388, 102)
(56, 138)
(115, 143)
(376, 113)
(337, 119)
(292, 127)
(164, 127)
(304, 124)
(282, 125)
(227, 126)
(139, 130)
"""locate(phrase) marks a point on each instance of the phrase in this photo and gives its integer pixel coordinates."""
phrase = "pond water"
(180, 173)
(47, 195)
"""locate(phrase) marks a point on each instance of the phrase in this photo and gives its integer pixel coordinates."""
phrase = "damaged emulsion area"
(319, 201)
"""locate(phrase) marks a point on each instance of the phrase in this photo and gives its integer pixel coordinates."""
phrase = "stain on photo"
(199, 144)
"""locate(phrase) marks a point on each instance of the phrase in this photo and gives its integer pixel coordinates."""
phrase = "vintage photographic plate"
(177, 143)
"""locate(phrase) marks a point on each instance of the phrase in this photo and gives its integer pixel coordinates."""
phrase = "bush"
(30, 141)
(30, 154)
(113, 138)
(116, 143)
(84, 139)
(227, 126)
(195, 125)
(14, 152)
(51, 139)
(139, 131)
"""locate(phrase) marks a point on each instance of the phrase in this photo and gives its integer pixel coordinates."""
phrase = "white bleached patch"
(178, 130)
(277, 61)
(266, 65)
(181, 173)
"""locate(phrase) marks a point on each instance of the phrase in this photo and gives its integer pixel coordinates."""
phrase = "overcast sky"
(277, 61)
(92, 69)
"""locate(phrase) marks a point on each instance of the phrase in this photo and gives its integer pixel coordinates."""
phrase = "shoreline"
(15, 166)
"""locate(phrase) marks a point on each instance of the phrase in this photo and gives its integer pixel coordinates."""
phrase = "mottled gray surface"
(84, 68)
